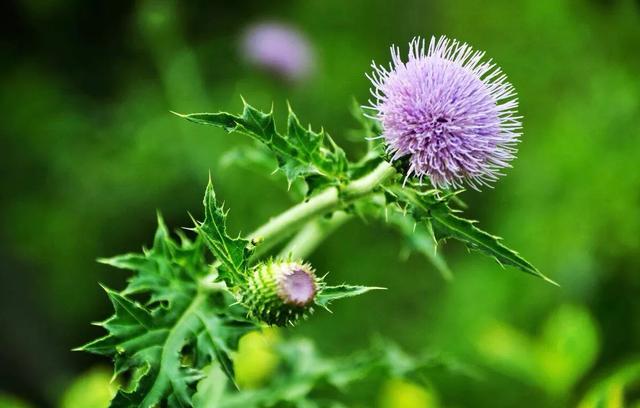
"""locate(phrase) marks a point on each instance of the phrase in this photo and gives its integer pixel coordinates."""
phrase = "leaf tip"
(549, 280)
(104, 261)
(180, 115)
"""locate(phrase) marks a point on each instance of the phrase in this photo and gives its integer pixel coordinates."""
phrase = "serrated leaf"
(447, 224)
(300, 152)
(429, 208)
(329, 294)
(163, 347)
(155, 269)
(233, 253)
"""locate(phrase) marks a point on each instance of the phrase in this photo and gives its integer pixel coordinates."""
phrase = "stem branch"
(312, 234)
(280, 226)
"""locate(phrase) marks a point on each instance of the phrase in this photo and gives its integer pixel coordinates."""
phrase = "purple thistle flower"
(278, 48)
(453, 115)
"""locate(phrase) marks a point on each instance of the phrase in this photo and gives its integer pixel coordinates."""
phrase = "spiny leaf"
(300, 152)
(446, 223)
(429, 208)
(163, 348)
(233, 253)
(329, 294)
(155, 269)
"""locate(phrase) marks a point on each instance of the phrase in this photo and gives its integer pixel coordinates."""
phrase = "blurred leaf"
(302, 370)
(256, 359)
(397, 393)
(555, 361)
(255, 157)
(568, 347)
(420, 239)
(10, 401)
(92, 389)
(610, 392)
(212, 388)
(508, 350)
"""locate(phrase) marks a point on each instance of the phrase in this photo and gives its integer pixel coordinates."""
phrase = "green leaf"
(617, 389)
(163, 346)
(329, 294)
(300, 152)
(155, 272)
(435, 213)
(447, 224)
(233, 253)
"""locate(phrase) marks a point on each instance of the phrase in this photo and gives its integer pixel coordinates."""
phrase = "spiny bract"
(280, 293)
(453, 115)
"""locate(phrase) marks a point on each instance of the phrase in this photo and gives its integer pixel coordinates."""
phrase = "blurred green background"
(90, 151)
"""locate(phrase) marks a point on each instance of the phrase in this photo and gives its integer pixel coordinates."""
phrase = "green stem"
(312, 234)
(281, 226)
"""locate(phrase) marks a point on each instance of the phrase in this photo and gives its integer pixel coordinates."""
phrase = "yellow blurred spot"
(256, 359)
(92, 389)
(398, 393)
(508, 349)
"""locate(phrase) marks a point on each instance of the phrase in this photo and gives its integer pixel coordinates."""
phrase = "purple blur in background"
(278, 48)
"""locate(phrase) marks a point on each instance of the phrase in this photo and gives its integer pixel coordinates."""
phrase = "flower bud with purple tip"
(280, 293)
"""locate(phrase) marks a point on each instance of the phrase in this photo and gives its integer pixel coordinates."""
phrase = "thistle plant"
(441, 120)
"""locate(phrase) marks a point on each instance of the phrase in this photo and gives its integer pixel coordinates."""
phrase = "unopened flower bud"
(279, 293)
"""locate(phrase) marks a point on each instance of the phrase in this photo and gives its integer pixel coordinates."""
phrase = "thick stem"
(281, 226)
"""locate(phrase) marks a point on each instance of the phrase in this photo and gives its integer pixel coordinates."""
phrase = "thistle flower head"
(278, 48)
(453, 115)
(280, 293)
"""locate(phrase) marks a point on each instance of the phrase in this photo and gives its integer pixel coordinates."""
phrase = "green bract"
(280, 293)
